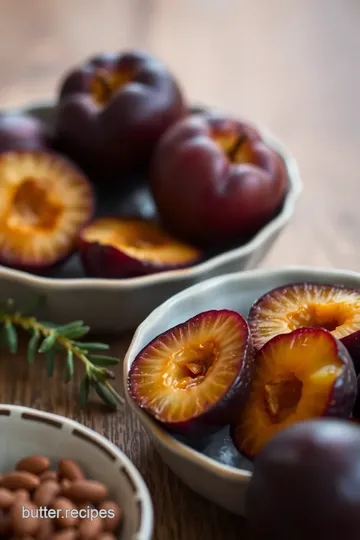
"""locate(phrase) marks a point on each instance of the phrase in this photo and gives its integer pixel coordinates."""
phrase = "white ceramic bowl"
(27, 431)
(212, 466)
(131, 300)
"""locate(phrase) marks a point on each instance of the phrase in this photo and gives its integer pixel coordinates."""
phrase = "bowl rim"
(156, 431)
(147, 515)
(173, 276)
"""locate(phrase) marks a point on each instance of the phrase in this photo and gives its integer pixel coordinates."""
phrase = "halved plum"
(300, 305)
(117, 247)
(300, 375)
(195, 375)
(44, 202)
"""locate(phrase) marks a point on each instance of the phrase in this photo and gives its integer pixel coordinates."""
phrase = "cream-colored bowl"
(211, 465)
(121, 304)
(27, 432)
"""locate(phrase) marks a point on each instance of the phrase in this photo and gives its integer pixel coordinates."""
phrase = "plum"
(113, 108)
(20, 131)
(119, 247)
(214, 179)
(306, 483)
(300, 375)
(315, 305)
(195, 375)
(44, 203)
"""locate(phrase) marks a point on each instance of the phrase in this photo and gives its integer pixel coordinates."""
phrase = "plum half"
(114, 247)
(299, 305)
(44, 202)
(194, 376)
(298, 376)
(306, 484)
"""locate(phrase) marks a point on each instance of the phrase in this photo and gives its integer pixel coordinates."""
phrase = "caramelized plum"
(306, 484)
(122, 247)
(301, 375)
(192, 376)
(299, 305)
(44, 202)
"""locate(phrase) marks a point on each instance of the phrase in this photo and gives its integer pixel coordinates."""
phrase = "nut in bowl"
(283, 387)
(60, 480)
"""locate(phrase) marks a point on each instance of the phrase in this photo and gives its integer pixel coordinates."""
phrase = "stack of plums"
(213, 180)
(285, 380)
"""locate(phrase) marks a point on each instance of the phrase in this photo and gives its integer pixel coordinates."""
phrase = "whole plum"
(306, 484)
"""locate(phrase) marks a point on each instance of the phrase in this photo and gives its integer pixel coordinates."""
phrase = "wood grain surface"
(294, 66)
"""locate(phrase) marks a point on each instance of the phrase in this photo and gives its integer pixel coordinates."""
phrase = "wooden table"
(288, 64)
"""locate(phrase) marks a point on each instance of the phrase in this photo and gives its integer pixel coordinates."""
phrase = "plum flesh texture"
(301, 375)
(44, 202)
(192, 377)
(306, 484)
(300, 305)
(116, 248)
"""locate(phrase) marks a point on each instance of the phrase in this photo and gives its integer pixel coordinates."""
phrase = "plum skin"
(306, 483)
(352, 343)
(20, 131)
(343, 393)
(121, 134)
(108, 262)
(190, 175)
(220, 413)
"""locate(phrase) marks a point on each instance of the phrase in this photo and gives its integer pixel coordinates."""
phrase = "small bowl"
(26, 431)
(211, 466)
(121, 304)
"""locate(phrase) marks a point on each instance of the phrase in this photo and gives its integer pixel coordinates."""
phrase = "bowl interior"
(27, 432)
(236, 292)
(131, 197)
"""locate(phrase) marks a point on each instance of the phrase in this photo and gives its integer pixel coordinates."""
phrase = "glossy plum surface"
(306, 484)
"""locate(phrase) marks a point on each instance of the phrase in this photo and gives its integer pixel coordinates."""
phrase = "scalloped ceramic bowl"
(70, 295)
(211, 466)
(26, 431)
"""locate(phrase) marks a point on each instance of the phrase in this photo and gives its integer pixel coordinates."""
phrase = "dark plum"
(20, 131)
(306, 484)
(215, 180)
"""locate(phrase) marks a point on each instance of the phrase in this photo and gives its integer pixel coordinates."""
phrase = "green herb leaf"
(48, 343)
(11, 336)
(84, 390)
(76, 332)
(103, 360)
(104, 393)
(69, 369)
(63, 329)
(47, 324)
(91, 346)
(50, 362)
(32, 346)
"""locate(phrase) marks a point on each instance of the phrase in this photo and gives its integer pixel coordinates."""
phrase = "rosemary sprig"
(48, 338)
